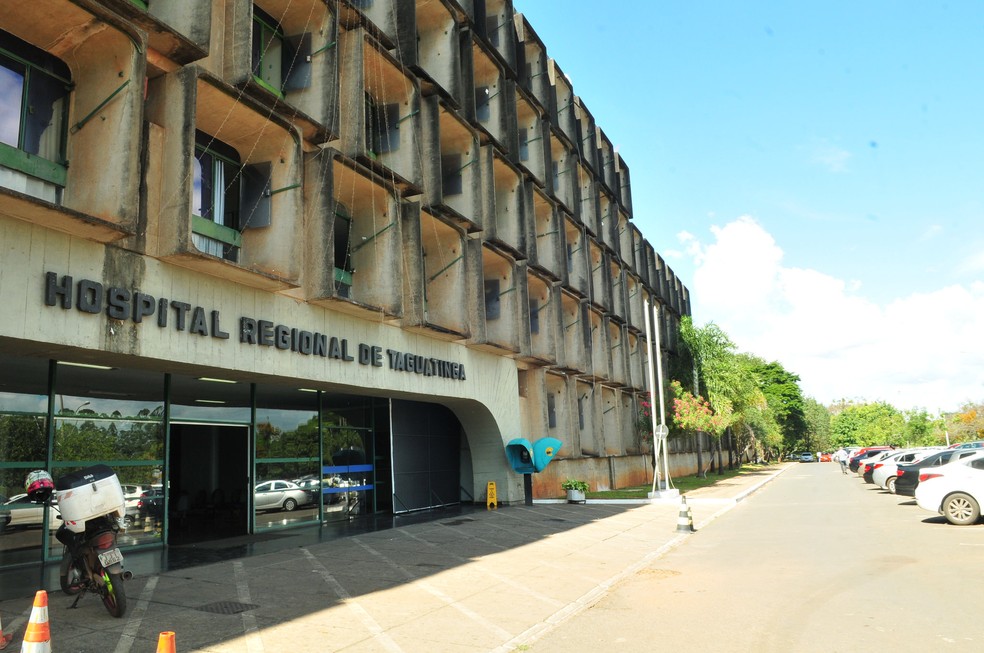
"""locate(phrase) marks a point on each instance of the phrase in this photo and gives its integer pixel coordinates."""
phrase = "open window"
(227, 197)
(280, 63)
(382, 125)
(34, 93)
(342, 256)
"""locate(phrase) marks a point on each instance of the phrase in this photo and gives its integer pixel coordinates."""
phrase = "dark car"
(151, 503)
(863, 455)
(907, 476)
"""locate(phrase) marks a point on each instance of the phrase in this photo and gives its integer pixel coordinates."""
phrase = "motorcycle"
(92, 508)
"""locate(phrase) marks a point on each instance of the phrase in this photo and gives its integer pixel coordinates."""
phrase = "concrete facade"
(415, 176)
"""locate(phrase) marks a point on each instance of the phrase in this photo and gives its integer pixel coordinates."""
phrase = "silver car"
(279, 495)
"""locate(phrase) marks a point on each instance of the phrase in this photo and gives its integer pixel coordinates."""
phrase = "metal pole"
(662, 407)
(652, 392)
(528, 489)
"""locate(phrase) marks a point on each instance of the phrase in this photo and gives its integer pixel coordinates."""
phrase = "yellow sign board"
(492, 502)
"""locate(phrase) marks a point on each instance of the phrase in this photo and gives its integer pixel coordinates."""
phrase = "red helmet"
(39, 485)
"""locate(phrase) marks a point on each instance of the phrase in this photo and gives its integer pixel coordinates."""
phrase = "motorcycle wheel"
(71, 576)
(114, 599)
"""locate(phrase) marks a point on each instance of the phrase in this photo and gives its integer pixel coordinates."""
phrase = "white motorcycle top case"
(89, 493)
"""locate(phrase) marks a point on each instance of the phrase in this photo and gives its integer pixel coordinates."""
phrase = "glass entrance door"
(208, 482)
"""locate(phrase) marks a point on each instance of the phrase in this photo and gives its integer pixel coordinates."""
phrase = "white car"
(806, 457)
(876, 459)
(885, 472)
(131, 494)
(19, 512)
(954, 490)
(279, 495)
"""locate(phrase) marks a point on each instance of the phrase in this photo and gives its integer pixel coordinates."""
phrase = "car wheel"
(960, 509)
(289, 505)
(890, 484)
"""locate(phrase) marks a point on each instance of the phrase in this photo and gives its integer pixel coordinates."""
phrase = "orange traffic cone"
(165, 643)
(37, 639)
(4, 639)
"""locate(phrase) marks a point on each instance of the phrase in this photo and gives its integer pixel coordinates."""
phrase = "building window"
(524, 145)
(483, 109)
(492, 26)
(215, 200)
(551, 411)
(451, 174)
(580, 413)
(534, 317)
(492, 301)
(34, 90)
(227, 197)
(343, 251)
(280, 63)
(382, 126)
(268, 51)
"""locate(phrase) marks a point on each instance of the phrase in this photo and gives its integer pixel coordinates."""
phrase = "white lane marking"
(371, 624)
(446, 599)
(129, 634)
(254, 644)
(543, 598)
(587, 600)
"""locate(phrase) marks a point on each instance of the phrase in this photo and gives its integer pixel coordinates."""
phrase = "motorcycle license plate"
(111, 557)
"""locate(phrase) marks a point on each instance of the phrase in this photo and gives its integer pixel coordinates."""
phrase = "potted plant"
(575, 490)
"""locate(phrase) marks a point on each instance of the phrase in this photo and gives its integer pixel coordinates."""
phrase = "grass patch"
(684, 484)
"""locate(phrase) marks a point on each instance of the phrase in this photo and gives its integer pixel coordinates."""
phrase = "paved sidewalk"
(473, 581)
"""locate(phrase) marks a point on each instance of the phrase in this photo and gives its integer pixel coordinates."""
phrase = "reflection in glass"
(23, 447)
(205, 401)
(92, 439)
(11, 92)
(288, 487)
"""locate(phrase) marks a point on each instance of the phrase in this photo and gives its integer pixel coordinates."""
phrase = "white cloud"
(923, 350)
(972, 264)
(831, 157)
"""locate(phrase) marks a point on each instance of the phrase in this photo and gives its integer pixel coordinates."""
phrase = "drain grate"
(226, 607)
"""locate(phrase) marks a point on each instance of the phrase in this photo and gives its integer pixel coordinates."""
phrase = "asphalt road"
(815, 561)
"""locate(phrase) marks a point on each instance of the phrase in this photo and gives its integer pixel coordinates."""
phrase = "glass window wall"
(288, 484)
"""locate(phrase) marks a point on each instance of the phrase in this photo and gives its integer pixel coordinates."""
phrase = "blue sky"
(813, 172)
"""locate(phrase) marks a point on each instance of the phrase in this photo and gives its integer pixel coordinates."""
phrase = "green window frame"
(269, 48)
(216, 192)
(343, 250)
(34, 91)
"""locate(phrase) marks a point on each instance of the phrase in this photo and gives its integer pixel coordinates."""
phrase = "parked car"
(806, 457)
(279, 495)
(884, 474)
(826, 457)
(907, 476)
(132, 493)
(151, 503)
(954, 490)
(20, 512)
(867, 470)
(976, 444)
(312, 486)
(863, 454)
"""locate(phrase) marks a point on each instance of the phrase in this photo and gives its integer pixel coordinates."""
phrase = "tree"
(868, 424)
(817, 426)
(782, 391)
(713, 354)
(922, 429)
(968, 424)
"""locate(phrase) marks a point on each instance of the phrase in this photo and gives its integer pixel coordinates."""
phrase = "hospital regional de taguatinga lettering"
(93, 297)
